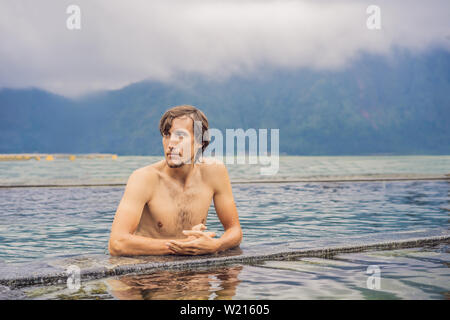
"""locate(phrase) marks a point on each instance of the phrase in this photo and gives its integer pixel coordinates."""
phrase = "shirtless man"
(165, 205)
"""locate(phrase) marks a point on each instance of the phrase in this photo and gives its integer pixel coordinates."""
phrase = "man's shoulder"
(213, 168)
(147, 173)
(212, 163)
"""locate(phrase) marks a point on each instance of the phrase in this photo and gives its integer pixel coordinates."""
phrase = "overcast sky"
(119, 43)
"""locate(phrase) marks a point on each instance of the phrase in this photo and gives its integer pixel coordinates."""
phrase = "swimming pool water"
(416, 273)
(37, 223)
(42, 223)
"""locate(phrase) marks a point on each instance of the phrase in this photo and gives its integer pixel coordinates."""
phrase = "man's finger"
(199, 227)
(176, 245)
(210, 234)
(186, 250)
(195, 233)
(172, 250)
(199, 234)
(177, 251)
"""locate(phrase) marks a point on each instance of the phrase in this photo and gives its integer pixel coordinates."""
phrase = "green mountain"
(376, 105)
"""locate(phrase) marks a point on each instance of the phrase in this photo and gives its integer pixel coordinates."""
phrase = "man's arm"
(122, 240)
(226, 210)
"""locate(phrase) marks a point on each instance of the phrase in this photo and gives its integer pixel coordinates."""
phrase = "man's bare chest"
(174, 208)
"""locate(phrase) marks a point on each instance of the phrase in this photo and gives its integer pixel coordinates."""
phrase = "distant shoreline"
(380, 178)
(52, 156)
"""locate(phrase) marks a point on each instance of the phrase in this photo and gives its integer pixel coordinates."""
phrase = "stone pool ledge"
(97, 266)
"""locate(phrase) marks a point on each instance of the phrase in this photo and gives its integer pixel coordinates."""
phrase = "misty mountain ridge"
(377, 105)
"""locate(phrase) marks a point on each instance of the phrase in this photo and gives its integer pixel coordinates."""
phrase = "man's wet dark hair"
(189, 111)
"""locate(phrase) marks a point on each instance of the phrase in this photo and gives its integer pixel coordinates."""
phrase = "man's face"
(179, 142)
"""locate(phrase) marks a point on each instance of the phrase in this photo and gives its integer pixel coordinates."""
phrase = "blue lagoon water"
(38, 223)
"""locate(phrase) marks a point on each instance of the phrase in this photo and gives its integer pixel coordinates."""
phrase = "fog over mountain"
(378, 105)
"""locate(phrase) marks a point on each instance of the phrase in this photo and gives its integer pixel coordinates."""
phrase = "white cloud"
(128, 41)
